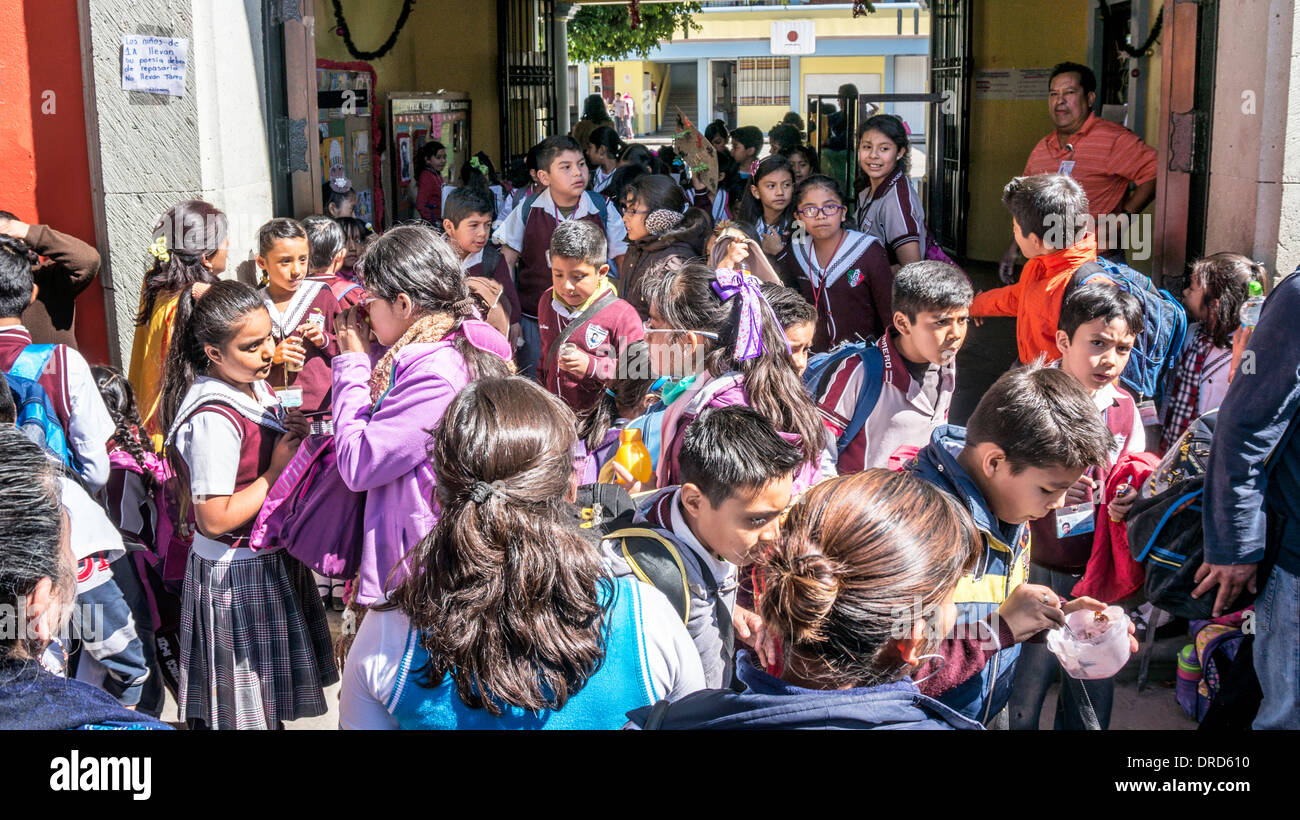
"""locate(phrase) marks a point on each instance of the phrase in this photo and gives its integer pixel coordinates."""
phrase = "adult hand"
(751, 629)
(312, 332)
(1080, 490)
(1084, 602)
(573, 361)
(1007, 266)
(1029, 609)
(352, 332)
(1231, 579)
(290, 350)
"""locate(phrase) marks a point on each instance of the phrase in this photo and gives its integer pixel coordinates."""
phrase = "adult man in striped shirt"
(1104, 157)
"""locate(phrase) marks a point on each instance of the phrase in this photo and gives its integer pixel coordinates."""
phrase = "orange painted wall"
(44, 166)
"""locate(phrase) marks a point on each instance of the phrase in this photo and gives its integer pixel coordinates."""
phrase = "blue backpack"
(821, 367)
(36, 416)
(1165, 325)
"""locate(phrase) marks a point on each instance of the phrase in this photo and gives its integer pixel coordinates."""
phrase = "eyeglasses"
(826, 210)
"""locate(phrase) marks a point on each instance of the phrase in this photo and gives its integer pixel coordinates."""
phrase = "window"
(763, 81)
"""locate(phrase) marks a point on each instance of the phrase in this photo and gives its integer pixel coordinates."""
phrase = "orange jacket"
(1035, 300)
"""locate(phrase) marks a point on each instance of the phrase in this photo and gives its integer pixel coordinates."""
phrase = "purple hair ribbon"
(749, 335)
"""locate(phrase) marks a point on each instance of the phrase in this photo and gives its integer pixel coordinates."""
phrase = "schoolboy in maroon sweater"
(577, 361)
(525, 235)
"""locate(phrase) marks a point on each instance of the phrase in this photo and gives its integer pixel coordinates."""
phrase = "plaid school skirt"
(255, 645)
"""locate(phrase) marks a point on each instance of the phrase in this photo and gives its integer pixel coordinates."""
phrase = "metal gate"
(950, 76)
(526, 75)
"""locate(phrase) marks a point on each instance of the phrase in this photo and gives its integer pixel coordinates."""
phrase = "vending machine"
(415, 118)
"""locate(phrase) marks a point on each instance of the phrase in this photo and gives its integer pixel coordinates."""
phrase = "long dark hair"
(853, 554)
(119, 398)
(750, 208)
(892, 127)
(31, 525)
(505, 591)
(1225, 278)
(192, 231)
(415, 260)
(658, 192)
(686, 300)
(607, 138)
(214, 319)
(624, 396)
(593, 108)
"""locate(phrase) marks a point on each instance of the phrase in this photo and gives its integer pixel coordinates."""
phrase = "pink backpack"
(312, 514)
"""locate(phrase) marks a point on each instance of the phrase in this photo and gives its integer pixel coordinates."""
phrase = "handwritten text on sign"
(155, 64)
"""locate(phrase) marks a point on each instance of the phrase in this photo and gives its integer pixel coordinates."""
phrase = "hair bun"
(802, 591)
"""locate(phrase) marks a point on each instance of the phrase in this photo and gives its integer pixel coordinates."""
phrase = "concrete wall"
(1254, 168)
(149, 151)
(448, 44)
(44, 163)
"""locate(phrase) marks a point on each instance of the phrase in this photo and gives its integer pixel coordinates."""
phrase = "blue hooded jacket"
(1003, 566)
(771, 703)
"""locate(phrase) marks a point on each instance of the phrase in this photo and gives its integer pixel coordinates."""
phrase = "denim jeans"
(1038, 668)
(1277, 651)
(528, 354)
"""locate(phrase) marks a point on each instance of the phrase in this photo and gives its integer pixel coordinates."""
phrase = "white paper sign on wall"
(793, 37)
(154, 64)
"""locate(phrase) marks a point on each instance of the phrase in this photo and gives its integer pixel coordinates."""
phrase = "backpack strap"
(601, 204)
(655, 560)
(873, 364)
(606, 299)
(658, 713)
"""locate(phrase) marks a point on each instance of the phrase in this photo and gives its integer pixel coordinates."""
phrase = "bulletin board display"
(345, 103)
(415, 118)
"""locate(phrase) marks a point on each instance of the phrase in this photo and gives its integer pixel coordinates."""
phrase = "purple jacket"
(385, 452)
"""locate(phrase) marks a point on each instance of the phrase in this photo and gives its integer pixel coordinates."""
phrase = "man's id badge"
(1147, 410)
(1067, 167)
(1076, 520)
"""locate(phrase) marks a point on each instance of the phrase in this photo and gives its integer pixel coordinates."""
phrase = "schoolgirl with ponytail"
(509, 620)
(421, 309)
(604, 150)
(717, 336)
(860, 590)
(255, 645)
(189, 246)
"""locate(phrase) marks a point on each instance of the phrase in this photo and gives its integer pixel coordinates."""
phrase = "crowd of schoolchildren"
(422, 425)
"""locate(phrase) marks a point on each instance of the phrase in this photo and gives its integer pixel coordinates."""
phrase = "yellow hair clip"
(159, 249)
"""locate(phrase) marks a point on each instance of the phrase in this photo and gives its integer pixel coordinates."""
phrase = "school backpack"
(598, 201)
(821, 369)
(313, 514)
(36, 416)
(1155, 352)
(1216, 681)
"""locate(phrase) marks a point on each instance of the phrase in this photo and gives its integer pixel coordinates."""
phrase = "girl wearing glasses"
(888, 208)
(741, 358)
(844, 273)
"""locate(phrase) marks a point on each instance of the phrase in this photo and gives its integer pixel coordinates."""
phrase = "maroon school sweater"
(535, 259)
(602, 337)
(316, 376)
(509, 295)
(853, 294)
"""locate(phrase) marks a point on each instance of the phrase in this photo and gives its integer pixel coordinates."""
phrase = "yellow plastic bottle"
(632, 454)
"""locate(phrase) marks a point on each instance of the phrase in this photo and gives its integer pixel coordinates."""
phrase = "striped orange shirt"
(1106, 158)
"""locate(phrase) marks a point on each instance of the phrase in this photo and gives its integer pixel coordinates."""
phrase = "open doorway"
(723, 85)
